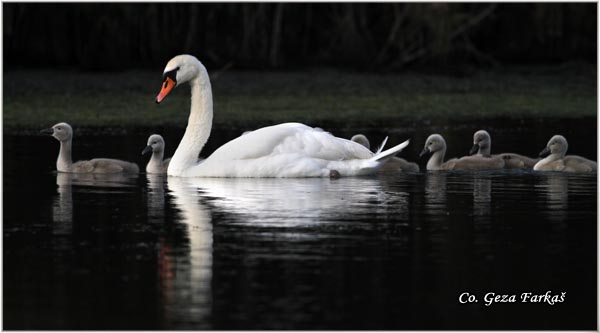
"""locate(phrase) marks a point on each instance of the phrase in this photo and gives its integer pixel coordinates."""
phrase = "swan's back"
(574, 163)
(290, 138)
(474, 163)
(399, 164)
(516, 161)
(105, 165)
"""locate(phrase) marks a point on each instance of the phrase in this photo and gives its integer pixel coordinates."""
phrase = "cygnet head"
(61, 132)
(482, 143)
(156, 143)
(557, 145)
(180, 69)
(434, 143)
(361, 139)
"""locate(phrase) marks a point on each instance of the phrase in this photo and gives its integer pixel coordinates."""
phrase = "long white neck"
(64, 162)
(155, 163)
(485, 151)
(198, 128)
(436, 160)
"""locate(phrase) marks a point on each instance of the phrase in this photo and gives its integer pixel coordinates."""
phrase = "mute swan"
(156, 145)
(436, 145)
(64, 133)
(285, 150)
(482, 146)
(555, 159)
(394, 163)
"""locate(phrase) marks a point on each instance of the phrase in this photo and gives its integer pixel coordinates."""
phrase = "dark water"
(390, 252)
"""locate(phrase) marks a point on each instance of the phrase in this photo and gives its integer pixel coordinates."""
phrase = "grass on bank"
(37, 99)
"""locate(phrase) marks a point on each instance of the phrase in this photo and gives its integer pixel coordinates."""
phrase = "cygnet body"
(436, 146)
(64, 134)
(156, 145)
(555, 158)
(482, 146)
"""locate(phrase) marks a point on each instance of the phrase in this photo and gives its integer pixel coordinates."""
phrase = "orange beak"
(167, 86)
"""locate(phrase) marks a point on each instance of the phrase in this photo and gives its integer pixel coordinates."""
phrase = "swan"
(64, 134)
(156, 145)
(436, 145)
(555, 159)
(284, 150)
(394, 163)
(482, 146)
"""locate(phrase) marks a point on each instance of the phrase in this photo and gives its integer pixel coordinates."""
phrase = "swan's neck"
(485, 151)
(436, 160)
(198, 128)
(155, 161)
(64, 162)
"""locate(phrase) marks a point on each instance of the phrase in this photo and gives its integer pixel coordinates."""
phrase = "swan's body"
(156, 145)
(394, 163)
(436, 145)
(64, 134)
(285, 150)
(482, 146)
(556, 160)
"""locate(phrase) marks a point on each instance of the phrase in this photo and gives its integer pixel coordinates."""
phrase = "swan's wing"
(479, 163)
(83, 167)
(576, 163)
(290, 138)
(105, 165)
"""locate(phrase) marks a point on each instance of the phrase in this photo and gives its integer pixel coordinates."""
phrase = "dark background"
(361, 36)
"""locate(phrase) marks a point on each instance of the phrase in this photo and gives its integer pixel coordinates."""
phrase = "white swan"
(555, 159)
(436, 145)
(285, 150)
(482, 146)
(394, 164)
(64, 133)
(156, 145)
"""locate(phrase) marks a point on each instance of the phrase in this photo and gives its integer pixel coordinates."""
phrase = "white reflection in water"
(435, 193)
(186, 276)
(293, 202)
(557, 196)
(62, 208)
(482, 198)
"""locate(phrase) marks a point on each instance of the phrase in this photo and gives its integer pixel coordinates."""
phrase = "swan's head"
(60, 131)
(182, 68)
(481, 141)
(557, 145)
(361, 139)
(434, 143)
(156, 143)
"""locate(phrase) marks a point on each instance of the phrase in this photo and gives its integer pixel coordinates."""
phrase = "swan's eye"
(59, 128)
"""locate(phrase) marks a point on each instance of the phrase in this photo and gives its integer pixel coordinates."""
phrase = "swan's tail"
(387, 154)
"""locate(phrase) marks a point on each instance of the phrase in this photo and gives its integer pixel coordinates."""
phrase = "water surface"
(385, 252)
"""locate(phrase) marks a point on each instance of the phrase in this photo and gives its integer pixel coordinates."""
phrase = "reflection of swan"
(156, 145)
(557, 161)
(156, 197)
(557, 194)
(394, 163)
(187, 271)
(482, 146)
(436, 145)
(285, 150)
(62, 209)
(482, 199)
(435, 193)
(64, 133)
(292, 202)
